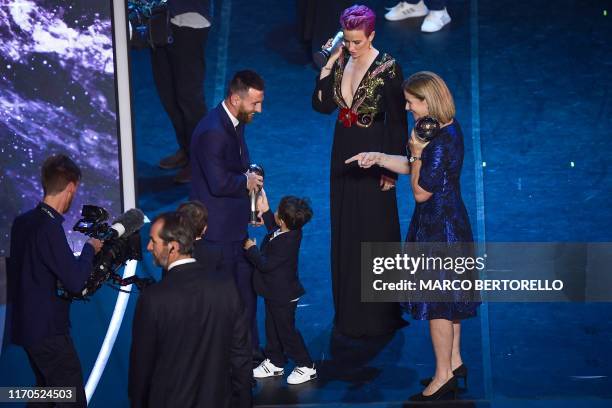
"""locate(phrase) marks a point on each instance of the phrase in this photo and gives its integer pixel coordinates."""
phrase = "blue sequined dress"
(442, 218)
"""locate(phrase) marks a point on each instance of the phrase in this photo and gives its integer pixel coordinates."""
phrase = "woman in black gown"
(365, 85)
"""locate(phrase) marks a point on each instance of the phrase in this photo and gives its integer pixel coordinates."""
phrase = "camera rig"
(121, 244)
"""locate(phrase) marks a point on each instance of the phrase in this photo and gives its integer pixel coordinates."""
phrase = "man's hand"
(248, 243)
(254, 181)
(262, 202)
(96, 244)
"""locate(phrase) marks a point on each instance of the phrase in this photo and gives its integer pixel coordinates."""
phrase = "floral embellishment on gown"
(347, 117)
(367, 99)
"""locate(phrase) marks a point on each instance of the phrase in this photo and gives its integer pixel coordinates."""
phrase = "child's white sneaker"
(267, 369)
(301, 375)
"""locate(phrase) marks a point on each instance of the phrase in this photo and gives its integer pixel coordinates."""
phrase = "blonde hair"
(429, 87)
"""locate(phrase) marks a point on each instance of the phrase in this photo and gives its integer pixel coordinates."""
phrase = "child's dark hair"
(294, 211)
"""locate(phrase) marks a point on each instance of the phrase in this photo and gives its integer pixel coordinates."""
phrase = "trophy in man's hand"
(257, 169)
(426, 128)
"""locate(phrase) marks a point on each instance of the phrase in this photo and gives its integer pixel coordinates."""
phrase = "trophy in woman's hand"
(257, 169)
(321, 57)
(426, 128)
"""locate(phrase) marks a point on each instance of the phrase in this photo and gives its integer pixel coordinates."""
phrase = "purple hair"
(358, 17)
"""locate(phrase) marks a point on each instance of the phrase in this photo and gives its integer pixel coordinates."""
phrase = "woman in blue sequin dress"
(439, 216)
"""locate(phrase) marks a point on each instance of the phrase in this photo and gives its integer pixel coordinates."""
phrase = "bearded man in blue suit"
(220, 180)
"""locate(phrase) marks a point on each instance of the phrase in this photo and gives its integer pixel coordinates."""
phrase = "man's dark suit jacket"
(208, 255)
(219, 160)
(276, 276)
(191, 345)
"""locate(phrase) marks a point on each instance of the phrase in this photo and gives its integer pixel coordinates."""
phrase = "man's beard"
(162, 260)
(245, 117)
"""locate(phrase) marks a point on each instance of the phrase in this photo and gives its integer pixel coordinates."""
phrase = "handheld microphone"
(321, 57)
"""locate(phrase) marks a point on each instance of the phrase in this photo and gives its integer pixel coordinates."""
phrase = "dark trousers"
(178, 72)
(56, 364)
(283, 339)
(236, 265)
(435, 5)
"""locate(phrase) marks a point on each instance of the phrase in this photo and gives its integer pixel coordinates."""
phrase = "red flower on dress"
(347, 117)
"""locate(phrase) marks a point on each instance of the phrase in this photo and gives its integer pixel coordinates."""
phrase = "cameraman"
(40, 257)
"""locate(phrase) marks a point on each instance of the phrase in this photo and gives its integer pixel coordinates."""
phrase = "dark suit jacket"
(276, 276)
(219, 160)
(191, 345)
(208, 255)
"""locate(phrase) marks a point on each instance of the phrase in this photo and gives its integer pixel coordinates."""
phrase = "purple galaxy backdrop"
(57, 96)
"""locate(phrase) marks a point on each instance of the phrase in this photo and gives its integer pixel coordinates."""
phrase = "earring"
(370, 45)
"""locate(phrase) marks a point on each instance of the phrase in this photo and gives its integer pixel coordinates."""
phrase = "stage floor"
(531, 81)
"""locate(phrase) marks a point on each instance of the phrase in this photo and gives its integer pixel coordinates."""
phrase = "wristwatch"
(412, 159)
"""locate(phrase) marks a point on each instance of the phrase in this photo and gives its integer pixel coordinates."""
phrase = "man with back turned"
(40, 257)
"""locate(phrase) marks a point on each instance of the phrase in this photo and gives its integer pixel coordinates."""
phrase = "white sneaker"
(300, 375)
(267, 369)
(403, 10)
(435, 20)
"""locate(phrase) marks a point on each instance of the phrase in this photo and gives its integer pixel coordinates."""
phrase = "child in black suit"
(276, 280)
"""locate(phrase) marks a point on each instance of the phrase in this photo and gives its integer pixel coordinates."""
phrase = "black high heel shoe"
(448, 387)
(459, 372)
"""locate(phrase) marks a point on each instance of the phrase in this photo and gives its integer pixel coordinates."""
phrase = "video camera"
(121, 244)
(92, 224)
